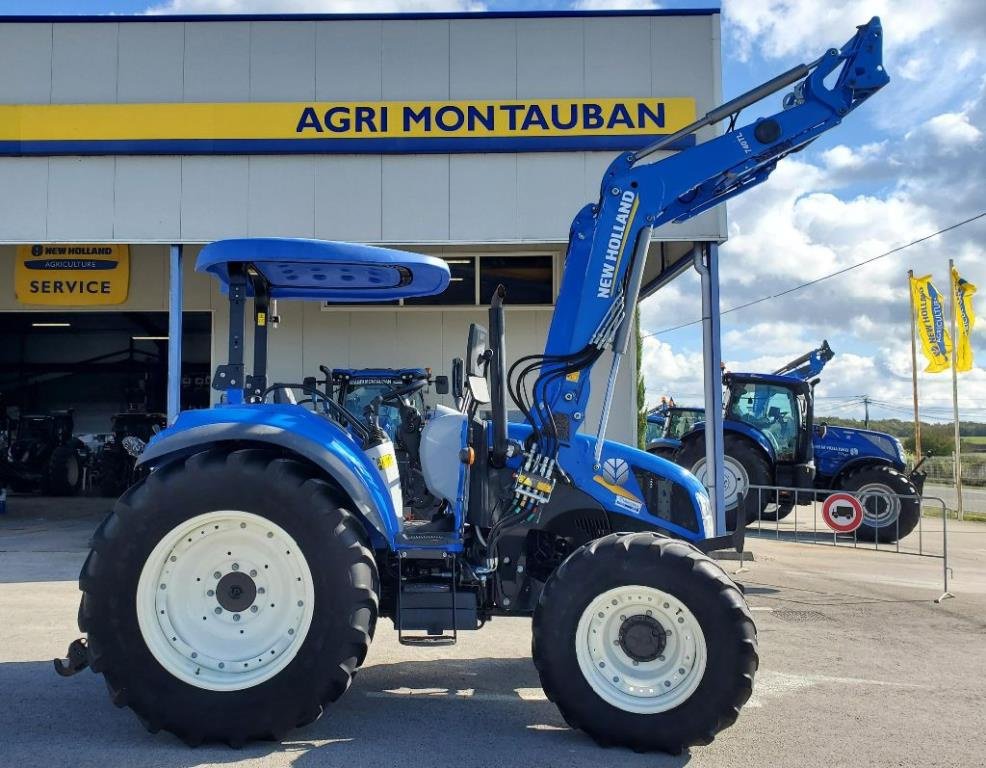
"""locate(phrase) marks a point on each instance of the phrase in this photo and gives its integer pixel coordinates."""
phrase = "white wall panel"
(217, 61)
(282, 57)
(150, 63)
(84, 63)
(484, 59)
(348, 60)
(347, 197)
(550, 191)
(483, 197)
(415, 198)
(80, 198)
(213, 197)
(618, 57)
(146, 198)
(25, 63)
(550, 58)
(281, 197)
(24, 198)
(416, 60)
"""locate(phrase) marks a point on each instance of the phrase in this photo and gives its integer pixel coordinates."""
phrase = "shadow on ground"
(480, 712)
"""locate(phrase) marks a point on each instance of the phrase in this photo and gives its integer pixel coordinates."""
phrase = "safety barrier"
(833, 517)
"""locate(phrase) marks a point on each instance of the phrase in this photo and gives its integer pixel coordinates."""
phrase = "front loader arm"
(608, 240)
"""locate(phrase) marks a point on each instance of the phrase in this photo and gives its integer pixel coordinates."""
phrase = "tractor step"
(434, 605)
(427, 641)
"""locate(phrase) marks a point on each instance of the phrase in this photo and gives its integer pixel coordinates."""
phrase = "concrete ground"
(858, 667)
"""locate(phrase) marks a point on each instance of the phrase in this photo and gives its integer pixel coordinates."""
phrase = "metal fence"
(809, 522)
(941, 469)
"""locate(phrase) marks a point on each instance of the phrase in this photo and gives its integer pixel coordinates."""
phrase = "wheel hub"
(236, 591)
(642, 638)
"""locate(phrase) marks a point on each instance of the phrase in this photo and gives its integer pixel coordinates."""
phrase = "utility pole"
(955, 389)
(914, 369)
(866, 411)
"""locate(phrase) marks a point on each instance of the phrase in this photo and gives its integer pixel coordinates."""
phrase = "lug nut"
(236, 617)
(253, 573)
(217, 575)
(236, 566)
(211, 593)
(218, 610)
(253, 609)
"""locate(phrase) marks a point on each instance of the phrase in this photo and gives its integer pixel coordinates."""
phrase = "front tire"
(644, 642)
(891, 503)
(228, 597)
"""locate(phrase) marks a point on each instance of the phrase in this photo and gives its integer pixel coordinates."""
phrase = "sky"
(906, 164)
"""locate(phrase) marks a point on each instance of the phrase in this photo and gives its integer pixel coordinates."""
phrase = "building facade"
(476, 138)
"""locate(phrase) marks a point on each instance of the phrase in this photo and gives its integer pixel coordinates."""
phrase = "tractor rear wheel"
(744, 466)
(891, 503)
(228, 597)
(64, 473)
(644, 642)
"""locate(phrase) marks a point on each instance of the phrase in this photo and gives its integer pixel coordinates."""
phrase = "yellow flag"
(965, 319)
(929, 320)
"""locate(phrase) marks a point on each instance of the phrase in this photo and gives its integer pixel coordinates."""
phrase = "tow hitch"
(78, 659)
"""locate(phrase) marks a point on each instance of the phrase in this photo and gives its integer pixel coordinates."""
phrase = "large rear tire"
(891, 503)
(228, 597)
(644, 642)
(744, 465)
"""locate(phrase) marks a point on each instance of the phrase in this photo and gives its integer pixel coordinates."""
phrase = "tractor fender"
(756, 436)
(297, 431)
(835, 481)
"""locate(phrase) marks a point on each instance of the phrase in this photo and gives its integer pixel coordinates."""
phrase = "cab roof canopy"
(321, 270)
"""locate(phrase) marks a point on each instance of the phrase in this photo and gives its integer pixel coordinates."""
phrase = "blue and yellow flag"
(965, 319)
(929, 319)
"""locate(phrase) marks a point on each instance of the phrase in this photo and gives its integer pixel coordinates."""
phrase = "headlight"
(705, 510)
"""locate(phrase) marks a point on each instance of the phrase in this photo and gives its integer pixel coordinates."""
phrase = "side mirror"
(821, 430)
(309, 382)
(441, 385)
(457, 369)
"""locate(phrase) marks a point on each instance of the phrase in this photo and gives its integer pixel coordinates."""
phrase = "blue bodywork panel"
(616, 488)
(843, 448)
(299, 430)
(739, 428)
(320, 270)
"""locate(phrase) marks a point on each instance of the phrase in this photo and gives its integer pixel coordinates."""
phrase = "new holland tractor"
(770, 439)
(667, 424)
(235, 588)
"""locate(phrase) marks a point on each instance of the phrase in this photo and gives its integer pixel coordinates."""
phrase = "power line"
(823, 277)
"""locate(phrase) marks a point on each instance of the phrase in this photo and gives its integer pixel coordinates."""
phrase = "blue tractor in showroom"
(235, 588)
(771, 440)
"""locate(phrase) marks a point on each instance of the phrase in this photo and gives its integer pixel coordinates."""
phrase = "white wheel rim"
(735, 480)
(640, 686)
(881, 506)
(186, 627)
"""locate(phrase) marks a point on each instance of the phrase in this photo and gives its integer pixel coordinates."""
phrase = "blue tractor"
(235, 588)
(770, 439)
(667, 424)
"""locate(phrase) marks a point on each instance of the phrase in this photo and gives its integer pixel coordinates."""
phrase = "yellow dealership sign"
(72, 275)
(372, 127)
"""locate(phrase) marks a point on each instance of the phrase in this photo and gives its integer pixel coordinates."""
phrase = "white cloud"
(315, 6)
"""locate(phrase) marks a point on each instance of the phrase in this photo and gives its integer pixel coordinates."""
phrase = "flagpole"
(914, 367)
(955, 389)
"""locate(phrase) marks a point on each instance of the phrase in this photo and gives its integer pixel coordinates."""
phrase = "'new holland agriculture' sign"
(351, 127)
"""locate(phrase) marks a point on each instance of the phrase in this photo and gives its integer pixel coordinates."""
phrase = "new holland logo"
(616, 471)
(617, 244)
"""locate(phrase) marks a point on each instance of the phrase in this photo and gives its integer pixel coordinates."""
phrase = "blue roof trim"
(109, 19)
(323, 270)
(314, 146)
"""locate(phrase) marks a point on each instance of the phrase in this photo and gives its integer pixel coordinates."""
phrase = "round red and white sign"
(842, 512)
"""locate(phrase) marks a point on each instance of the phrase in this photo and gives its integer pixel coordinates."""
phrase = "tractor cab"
(776, 413)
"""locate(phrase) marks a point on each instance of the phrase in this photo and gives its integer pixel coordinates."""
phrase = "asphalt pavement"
(973, 497)
(859, 666)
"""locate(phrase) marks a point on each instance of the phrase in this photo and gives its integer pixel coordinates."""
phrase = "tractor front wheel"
(644, 642)
(891, 503)
(744, 466)
(63, 476)
(228, 597)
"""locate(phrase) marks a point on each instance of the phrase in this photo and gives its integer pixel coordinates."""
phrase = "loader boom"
(609, 240)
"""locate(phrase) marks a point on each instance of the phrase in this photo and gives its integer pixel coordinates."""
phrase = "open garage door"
(98, 364)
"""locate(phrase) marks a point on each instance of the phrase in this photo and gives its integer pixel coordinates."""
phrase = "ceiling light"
(149, 338)
(51, 325)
